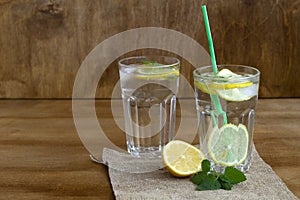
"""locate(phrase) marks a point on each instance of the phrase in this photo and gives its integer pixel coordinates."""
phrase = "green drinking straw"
(214, 97)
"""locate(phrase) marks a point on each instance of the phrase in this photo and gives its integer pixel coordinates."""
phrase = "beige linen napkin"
(262, 182)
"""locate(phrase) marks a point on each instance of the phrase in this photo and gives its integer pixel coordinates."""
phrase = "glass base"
(149, 152)
(245, 167)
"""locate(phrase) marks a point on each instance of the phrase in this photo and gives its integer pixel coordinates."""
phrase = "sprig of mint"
(209, 179)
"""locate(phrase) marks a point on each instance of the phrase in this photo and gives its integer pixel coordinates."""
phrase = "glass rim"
(251, 76)
(177, 62)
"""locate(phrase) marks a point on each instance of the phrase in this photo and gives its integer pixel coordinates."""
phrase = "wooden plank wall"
(43, 42)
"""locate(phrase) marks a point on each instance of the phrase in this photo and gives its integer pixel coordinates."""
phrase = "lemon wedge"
(182, 159)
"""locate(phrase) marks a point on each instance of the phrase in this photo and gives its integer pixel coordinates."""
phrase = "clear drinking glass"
(149, 85)
(226, 137)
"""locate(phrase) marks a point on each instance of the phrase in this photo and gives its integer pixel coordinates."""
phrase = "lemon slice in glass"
(228, 145)
(157, 73)
(226, 73)
(233, 91)
(154, 70)
(238, 94)
(225, 86)
(202, 86)
(214, 87)
(181, 158)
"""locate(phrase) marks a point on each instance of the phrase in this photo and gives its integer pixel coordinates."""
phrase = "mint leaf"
(205, 165)
(199, 177)
(209, 183)
(216, 174)
(234, 175)
(223, 178)
(225, 185)
(209, 179)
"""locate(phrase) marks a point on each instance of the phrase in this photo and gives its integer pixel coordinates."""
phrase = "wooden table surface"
(42, 156)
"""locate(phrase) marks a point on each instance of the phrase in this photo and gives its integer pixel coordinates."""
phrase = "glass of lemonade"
(226, 109)
(149, 85)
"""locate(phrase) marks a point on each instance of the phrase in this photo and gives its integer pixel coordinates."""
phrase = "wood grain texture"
(43, 42)
(42, 156)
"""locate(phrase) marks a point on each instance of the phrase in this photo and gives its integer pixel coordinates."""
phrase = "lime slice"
(228, 145)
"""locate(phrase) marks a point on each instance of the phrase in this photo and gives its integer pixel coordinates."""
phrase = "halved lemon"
(181, 158)
(228, 146)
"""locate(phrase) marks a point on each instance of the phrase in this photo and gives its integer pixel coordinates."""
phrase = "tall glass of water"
(149, 85)
(226, 109)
